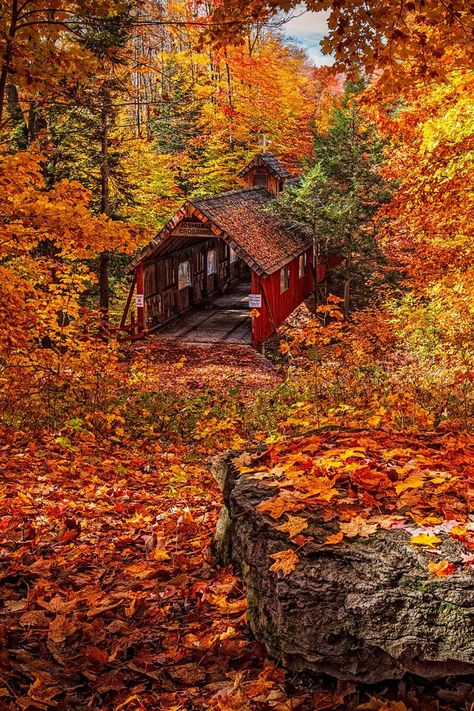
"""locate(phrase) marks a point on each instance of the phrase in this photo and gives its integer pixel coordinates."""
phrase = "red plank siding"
(276, 306)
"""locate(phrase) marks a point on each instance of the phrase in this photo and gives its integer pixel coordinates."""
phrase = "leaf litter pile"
(111, 598)
(359, 482)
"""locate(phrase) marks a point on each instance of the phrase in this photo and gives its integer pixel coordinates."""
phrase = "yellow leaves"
(442, 569)
(358, 526)
(412, 482)
(285, 562)
(374, 420)
(180, 363)
(227, 607)
(284, 348)
(425, 539)
(293, 526)
(334, 539)
(359, 452)
(160, 554)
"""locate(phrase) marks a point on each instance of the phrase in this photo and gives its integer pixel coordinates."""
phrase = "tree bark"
(347, 278)
(104, 259)
(316, 269)
(7, 56)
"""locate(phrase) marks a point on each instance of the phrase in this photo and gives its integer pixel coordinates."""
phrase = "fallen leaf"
(294, 525)
(358, 526)
(442, 569)
(333, 539)
(412, 482)
(285, 561)
(425, 539)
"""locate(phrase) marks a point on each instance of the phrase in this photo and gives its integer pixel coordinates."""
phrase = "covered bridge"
(213, 244)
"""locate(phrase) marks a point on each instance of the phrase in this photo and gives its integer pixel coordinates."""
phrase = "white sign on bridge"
(255, 301)
(139, 301)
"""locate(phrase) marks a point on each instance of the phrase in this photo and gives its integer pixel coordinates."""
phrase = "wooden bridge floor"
(225, 320)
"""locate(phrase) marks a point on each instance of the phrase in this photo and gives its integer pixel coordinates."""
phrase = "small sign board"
(139, 301)
(192, 229)
(255, 301)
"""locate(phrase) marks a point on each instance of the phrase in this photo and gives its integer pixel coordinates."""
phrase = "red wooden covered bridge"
(214, 244)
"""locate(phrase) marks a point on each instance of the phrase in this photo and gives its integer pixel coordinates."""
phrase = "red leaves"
(370, 481)
(109, 581)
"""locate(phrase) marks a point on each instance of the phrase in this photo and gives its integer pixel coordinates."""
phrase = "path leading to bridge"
(224, 320)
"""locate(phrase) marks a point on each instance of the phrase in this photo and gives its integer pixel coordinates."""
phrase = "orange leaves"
(141, 563)
(334, 538)
(277, 506)
(412, 482)
(442, 569)
(293, 526)
(370, 481)
(285, 562)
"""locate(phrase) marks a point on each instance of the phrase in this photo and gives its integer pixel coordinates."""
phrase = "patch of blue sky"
(308, 29)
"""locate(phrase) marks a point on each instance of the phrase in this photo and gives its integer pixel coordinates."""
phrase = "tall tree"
(340, 194)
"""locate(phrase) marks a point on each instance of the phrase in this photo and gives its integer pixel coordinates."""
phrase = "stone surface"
(366, 610)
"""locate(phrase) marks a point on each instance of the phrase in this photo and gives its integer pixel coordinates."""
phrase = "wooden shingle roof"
(242, 219)
(244, 216)
(269, 161)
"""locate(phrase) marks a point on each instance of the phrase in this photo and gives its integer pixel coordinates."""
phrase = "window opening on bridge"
(260, 180)
(212, 262)
(184, 275)
(302, 265)
(284, 279)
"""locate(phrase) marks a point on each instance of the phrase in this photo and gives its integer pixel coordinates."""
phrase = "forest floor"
(112, 598)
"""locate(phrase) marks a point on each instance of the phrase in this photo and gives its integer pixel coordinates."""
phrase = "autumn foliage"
(111, 115)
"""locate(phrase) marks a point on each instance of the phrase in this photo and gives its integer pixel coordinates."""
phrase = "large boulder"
(366, 609)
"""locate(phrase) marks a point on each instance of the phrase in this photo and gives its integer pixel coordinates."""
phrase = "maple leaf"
(277, 506)
(358, 526)
(285, 561)
(425, 539)
(412, 482)
(333, 539)
(294, 525)
(442, 569)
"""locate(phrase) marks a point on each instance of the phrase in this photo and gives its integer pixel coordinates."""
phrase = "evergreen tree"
(339, 195)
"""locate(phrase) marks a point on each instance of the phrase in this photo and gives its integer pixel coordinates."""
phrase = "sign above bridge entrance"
(192, 229)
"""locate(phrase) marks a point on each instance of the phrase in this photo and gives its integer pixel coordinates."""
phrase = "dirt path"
(195, 367)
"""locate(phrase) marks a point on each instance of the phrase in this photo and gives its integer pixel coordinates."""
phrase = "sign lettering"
(255, 301)
(192, 229)
(139, 301)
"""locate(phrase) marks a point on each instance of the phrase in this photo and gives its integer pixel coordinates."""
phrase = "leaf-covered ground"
(111, 597)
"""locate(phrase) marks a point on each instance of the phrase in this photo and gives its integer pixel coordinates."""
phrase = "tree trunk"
(316, 269)
(105, 203)
(7, 56)
(347, 278)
